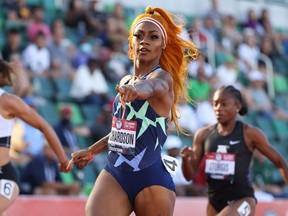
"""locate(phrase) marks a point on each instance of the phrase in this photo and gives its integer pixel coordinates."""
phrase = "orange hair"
(175, 56)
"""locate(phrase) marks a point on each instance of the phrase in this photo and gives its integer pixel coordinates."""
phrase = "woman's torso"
(6, 127)
(227, 160)
(150, 135)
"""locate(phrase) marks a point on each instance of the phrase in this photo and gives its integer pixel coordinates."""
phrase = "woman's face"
(147, 42)
(225, 107)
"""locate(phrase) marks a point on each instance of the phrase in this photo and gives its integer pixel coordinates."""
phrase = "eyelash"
(152, 37)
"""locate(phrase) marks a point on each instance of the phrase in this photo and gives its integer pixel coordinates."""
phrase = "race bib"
(123, 136)
(220, 164)
(6, 188)
(244, 209)
(170, 163)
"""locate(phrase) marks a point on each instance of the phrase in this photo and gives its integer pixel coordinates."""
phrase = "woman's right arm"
(83, 157)
(192, 156)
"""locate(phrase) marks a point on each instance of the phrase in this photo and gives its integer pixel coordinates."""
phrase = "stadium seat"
(44, 87)
(280, 84)
(49, 111)
(90, 112)
(63, 87)
(281, 129)
(265, 124)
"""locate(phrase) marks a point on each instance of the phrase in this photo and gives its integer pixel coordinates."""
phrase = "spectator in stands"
(89, 84)
(99, 19)
(196, 32)
(214, 13)
(102, 124)
(227, 73)
(258, 100)
(248, 51)
(60, 59)
(42, 177)
(118, 63)
(78, 19)
(204, 112)
(116, 24)
(21, 84)
(65, 130)
(36, 57)
(231, 36)
(187, 120)
(33, 137)
(37, 24)
(199, 87)
(22, 9)
(13, 44)
(200, 62)
(210, 27)
(238, 140)
(253, 23)
(270, 48)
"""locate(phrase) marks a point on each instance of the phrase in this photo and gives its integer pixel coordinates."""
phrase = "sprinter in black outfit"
(227, 148)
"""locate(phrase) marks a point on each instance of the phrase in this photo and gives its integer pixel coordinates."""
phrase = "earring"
(237, 110)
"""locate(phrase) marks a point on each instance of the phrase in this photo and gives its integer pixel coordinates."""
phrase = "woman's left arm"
(261, 143)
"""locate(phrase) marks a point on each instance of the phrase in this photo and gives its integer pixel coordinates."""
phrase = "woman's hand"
(81, 158)
(128, 93)
(65, 166)
(187, 153)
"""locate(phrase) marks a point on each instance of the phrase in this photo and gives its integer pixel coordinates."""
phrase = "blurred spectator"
(99, 19)
(210, 27)
(33, 138)
(89, 84)
(22, 9)
(197, 33)
(13, 44)
(42, 177)
(230, 34)
(269, 48)
(38, 25)
(102, 124)
(65, 130)
(21, 83)
(253, 23)
(205, 114)
(227, 73)
(200, 62)
(258, 100)
(116, 26)
(78, 19)
(118, 63)
(82, 55)
(214, 12)
(36, 57)
(60, 59)
(187, 120)
(199, 87)
(248, 52)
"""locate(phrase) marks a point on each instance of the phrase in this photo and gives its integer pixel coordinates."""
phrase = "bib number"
(6, 188)
(244, 209)
(123, 136)
(170, 163)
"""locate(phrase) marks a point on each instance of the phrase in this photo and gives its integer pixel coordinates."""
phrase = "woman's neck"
(143, 69)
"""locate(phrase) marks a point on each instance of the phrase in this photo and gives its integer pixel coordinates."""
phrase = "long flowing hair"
(175, 57)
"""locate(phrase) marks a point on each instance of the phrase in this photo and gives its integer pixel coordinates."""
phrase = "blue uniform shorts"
(134, 182)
